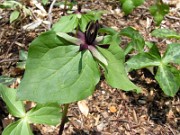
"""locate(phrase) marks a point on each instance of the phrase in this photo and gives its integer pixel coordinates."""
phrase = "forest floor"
(111, 111)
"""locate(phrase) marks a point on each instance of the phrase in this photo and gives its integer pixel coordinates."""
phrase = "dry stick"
(15, 39)
(173, 17)
(63, 121)
(1, 35)
(50, 14)
(8, 60)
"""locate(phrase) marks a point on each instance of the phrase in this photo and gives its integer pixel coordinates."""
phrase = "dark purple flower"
(88, 40)
(89, 37)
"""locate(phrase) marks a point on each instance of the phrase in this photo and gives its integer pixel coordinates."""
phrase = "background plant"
(129, 5)
(158, 10)
(167, 75)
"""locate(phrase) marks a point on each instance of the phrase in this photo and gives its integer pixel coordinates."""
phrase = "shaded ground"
(111, 111)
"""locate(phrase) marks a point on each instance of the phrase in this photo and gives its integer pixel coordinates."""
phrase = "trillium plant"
(64, 67)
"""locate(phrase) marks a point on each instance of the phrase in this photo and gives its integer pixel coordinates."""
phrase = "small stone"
(100, 127)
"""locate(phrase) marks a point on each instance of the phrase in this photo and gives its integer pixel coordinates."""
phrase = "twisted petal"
(98, 55)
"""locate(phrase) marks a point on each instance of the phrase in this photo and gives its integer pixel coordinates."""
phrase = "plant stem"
(65, 5)
(63, 121)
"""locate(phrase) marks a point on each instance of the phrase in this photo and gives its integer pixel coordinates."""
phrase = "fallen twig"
(9, 48)
(172, 17)
(9, 60)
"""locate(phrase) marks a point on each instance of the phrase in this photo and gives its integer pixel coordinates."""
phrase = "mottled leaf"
(165, 33)
(172, 54)
(168, 79)
(145, 59)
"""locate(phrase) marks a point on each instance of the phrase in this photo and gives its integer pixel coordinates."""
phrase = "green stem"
(63, 121)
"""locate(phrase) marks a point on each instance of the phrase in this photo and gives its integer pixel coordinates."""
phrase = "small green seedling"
(158, 11)
(40, 114)
(129, 5)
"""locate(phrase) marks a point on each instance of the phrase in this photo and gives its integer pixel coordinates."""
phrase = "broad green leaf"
(57, 71)
(165, 33)
(137, 41)
(128, 48)
(146, 59)
(129, 5)
(172, 54)
(16, 108)
(97, 14)
(87, 17)
(115, 49)
(66, 23)
(7, 80)
(45, 114)
(114, 41)
(14, 16)
(20, 127)
(115, 73)
(168, 79)
(158, 11)
(69, 23)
